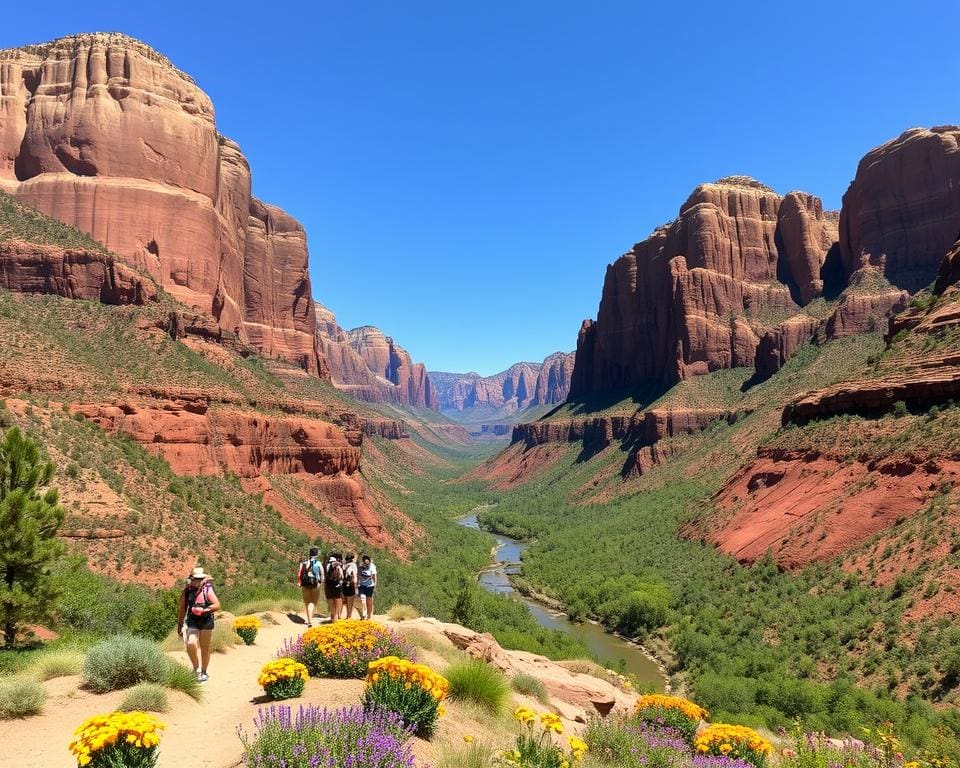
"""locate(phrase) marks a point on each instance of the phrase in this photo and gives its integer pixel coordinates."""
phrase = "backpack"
(308, 575)
(334, 574)
(350, 575)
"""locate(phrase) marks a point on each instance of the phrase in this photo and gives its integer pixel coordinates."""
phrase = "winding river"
(609, 649)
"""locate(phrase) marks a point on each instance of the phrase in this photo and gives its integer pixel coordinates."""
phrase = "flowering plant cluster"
(671, 712)
(345, 648)
(283, 678)
(247, 627)
(413, 691)
(735, 741)
(127, 739)
(318, 737)
(539, 747)
(884, 751)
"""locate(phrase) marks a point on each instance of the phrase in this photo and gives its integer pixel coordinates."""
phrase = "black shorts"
(332, 592)
(367, 591)
(349, 591)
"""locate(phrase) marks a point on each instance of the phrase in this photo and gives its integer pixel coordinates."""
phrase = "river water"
(609, 649)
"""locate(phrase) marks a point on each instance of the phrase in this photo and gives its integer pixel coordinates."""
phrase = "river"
(610, 650)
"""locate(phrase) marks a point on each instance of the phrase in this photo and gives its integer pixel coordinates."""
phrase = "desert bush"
(633, 743)
(266, 604)
(402, 612)
(413, 691)
(145, 697)
(21, 697)
(224, 637)
(60, 662)
(531, 686)
(471, 754)
(478, 682)
(321, 737)
(122, 661)
(180, 677)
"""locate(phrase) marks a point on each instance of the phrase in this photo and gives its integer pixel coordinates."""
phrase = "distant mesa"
(370, 366)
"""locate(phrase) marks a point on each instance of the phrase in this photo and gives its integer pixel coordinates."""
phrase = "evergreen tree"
(29, 521)
(467, 611)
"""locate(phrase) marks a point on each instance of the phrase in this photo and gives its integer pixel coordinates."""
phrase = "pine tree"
(467, 611)
(29, 521)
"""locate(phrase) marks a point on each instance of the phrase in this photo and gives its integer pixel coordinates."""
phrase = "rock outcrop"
(699, 293)
(522, 385)
(778, 345)
(73, 273)
(370, 366)
(902, 210)
(866, 304)
(105, 134)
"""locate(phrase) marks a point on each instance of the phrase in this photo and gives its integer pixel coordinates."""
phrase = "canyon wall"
(370, 366)
(105, 134)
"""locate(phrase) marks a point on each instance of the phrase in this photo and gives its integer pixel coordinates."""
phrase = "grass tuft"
(476, 754)
(61, 662)
(530, 686)
(21, 697)
(145, 697)
(402, 612)
(180, 677)
(478, 682)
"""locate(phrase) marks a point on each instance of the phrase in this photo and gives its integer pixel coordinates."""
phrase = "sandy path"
(199, 734)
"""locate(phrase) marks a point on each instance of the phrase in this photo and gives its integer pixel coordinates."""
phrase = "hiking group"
(342, 581)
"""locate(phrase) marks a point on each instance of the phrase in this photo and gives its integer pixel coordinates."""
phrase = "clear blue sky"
(466, 171)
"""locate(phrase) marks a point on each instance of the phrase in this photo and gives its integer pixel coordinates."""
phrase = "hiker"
(198, 604)
(350, 585)
(367, 585)
(333, 585)
(309, 579)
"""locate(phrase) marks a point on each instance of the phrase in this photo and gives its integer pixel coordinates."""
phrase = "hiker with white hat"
(198, 604)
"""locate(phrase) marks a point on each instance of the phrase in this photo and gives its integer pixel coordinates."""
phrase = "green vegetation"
(21, 222)
(402, 612)
(57, 662)
(478, 682)
(30, 521)
(528, 685)
(122, 661)
(145, 697)
(20, 697)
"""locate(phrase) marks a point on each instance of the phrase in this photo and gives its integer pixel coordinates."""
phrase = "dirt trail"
(199, 734)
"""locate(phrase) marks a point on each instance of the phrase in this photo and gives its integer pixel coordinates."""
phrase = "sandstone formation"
(522, 385)
(73, 273)
(105, 134)
(903, 207)
(778, 345)
(370, 366)
(866, 304)
(699, 293)
(575, 696)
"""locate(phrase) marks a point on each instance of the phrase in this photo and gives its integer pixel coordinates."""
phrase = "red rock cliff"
(699, 293)
(105, 134)
(902, 211)
(369, 366)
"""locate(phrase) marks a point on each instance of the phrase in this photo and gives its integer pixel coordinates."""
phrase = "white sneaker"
(202, 677)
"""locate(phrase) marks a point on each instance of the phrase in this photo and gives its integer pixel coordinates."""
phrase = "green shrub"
(145, 697)
(402, 612)
(531, 686)
(122, 661)
(153, 618)
(478, 682)
(475, 754)
(60, 662)
(181, 678)
(20, 697)
(223, 637)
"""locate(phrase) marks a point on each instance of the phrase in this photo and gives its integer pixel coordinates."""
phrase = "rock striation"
(370, 366)
(105, 134)
(522, 385)
(902, 210)
(700, 293)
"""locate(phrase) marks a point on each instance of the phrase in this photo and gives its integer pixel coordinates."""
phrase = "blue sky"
(466, 171)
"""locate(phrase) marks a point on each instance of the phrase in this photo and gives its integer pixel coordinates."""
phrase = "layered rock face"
(370, 366)
(105, 134)
(902, 211)
(699, 293)
(73, 273)
(522, 385)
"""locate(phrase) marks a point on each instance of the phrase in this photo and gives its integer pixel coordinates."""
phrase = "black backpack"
(334, 574)
(308, 575)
